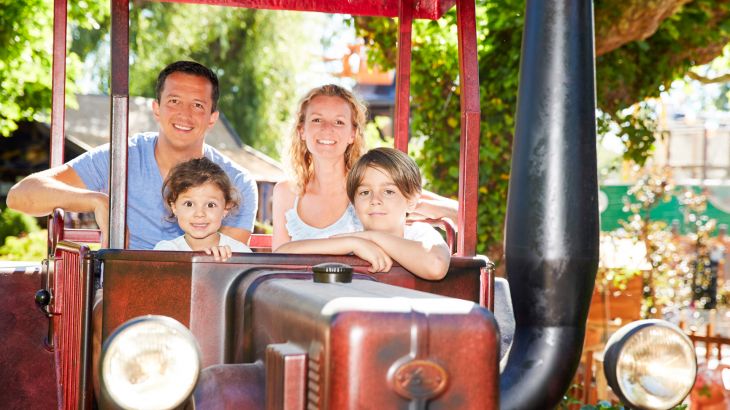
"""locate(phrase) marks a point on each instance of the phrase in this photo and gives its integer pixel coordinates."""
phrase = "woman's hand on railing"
(433, 206)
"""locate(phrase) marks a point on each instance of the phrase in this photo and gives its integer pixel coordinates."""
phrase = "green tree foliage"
(26, 44)
(14, 223)
(633, 67)
(256, 53)
(21, 239)
(30, 247)
(694, 35)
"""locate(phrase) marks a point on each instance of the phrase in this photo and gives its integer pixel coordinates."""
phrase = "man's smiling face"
(184, 110)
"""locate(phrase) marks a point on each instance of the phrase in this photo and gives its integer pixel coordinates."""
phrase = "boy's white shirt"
(424, 233)
(180, 244)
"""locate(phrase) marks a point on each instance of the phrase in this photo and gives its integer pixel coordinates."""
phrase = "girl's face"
(200, 211)
(328, 127)
(379, 204)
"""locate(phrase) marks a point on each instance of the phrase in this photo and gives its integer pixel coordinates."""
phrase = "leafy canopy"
(257, 54)
(26, 52)
(637, 69)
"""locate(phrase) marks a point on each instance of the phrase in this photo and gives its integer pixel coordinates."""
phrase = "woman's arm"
(434, 206)
(368, 251)
(283, 200)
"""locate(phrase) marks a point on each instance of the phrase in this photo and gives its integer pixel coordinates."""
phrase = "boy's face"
(379, 204)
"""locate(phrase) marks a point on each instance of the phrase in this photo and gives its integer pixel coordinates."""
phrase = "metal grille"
(71, 290)
(314, 381)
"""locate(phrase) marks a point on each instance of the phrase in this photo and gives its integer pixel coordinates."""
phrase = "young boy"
(384, 185)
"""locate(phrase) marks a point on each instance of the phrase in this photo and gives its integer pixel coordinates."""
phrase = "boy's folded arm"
(427, 261)
(370, 252)
(330, 246)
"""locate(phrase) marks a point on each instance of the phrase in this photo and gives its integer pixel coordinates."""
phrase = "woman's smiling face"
(328, 127)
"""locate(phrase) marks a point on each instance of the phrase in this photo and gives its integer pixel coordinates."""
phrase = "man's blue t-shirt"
(147, 220)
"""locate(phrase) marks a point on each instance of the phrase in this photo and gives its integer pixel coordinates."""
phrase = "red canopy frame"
(405, 10)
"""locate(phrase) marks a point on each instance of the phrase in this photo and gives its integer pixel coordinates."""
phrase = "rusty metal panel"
(286, 377)
(424, 9)
(372, 345)
(196, 290)
(145, 287)
(231, 387)
(26, 365)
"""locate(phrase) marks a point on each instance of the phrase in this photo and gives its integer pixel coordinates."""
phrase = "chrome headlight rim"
(111, 346)
(616, 346)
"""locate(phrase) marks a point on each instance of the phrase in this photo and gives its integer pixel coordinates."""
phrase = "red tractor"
(282, 331)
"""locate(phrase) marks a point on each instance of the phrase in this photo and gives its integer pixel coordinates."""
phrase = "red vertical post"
(58, 105)
(403, 75)
(58, 87)
(470, 128)
(119, 123)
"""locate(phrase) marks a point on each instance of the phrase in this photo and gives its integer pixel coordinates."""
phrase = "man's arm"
(59, 187)
(427, 261)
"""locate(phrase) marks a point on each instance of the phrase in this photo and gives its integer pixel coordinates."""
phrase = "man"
(185, 109)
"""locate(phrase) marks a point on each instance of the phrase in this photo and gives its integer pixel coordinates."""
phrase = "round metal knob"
(42, 298)
(332, 273)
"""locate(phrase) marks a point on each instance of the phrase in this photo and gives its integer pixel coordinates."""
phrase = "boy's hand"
(373, 254)
(220, 253)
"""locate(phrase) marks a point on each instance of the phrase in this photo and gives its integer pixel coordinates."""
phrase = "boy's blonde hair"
(399, 166)
(300, 158)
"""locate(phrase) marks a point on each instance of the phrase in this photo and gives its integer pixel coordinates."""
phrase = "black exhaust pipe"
(551, 233)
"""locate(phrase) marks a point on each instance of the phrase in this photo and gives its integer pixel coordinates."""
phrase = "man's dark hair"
(192, 68)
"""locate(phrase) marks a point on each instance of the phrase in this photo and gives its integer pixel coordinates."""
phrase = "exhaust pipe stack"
(552, 227)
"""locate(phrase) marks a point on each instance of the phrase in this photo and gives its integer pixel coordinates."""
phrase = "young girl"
(383, 186)
(199, 195)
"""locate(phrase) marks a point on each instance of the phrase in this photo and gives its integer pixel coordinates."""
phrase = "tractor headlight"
(150, 362)
(650, 364)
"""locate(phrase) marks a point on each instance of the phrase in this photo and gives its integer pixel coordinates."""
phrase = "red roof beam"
(423, 9)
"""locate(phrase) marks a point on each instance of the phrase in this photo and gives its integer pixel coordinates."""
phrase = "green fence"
(665, 211)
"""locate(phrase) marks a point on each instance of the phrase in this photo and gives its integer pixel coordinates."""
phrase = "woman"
(326, 141)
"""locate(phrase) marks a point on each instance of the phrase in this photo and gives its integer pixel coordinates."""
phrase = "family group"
(185, 195)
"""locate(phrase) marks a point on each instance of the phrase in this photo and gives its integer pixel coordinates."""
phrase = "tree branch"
(708, 80)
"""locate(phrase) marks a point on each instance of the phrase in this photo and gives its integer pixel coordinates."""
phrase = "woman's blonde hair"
(300, 158)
